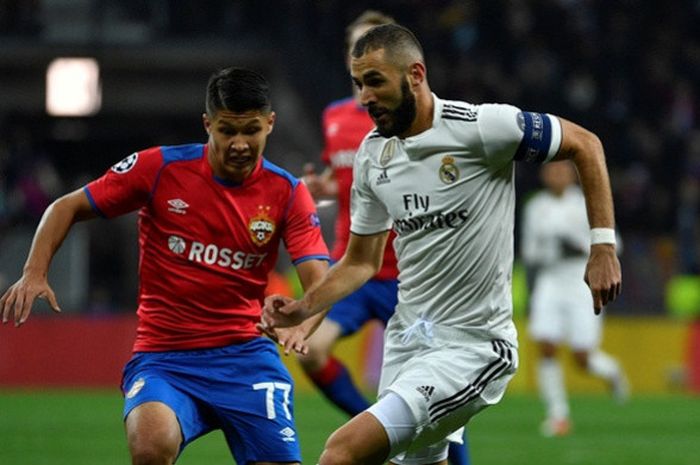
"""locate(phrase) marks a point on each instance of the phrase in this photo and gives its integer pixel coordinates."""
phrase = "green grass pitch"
(84, 427)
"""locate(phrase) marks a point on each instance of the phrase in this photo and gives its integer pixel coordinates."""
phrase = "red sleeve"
(302, 232)
(126, 186)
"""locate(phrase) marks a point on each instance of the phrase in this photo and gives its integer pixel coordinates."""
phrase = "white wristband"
(602, 236)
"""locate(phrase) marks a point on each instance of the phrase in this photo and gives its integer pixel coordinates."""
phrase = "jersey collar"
(225, 182)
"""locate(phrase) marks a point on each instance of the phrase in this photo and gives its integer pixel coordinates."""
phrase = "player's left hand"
(291, 339)
(603, 275)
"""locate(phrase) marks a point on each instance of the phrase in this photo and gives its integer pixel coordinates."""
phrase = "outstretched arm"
(603, 274)
(362, 260)
(16, 302)
(293, 338)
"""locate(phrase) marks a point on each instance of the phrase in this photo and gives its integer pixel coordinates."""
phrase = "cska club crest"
(261, 226)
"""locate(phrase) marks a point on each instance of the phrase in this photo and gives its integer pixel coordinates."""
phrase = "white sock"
(604, 366)
(551, 384)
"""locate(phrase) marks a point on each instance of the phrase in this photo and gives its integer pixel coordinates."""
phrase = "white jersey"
(448, 193)
(551, 225)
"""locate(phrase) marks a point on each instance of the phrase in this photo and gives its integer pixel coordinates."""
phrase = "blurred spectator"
(689, 210)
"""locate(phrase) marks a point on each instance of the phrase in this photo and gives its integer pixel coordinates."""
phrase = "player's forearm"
(586, 151)
(596, 187)
(52, 230)
(342, 279)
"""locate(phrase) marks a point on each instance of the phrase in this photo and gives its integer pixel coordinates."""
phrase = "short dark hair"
(237, 90)
(396, 39)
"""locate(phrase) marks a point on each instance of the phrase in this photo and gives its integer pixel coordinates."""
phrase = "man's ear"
(416, 73)
(206, 122)
(271, 121)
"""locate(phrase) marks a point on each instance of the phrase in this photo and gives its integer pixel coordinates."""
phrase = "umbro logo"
(383, 178)
(427, 391)
(288, 434)
(178, 206)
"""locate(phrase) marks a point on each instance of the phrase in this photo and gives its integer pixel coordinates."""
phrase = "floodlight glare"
(73, 87)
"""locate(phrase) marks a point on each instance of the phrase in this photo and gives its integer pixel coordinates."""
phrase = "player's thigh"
(400, 427)
(253, 402)
(446, 385)
(152, 428)
(363, 440)
(155, 396)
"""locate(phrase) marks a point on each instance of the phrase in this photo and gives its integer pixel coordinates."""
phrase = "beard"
(400, 119)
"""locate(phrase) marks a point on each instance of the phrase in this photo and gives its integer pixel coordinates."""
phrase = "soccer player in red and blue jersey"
(345, 124)
(211, 217)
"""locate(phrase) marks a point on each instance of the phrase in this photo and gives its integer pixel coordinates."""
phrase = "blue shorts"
(242, 389)
(376, 300)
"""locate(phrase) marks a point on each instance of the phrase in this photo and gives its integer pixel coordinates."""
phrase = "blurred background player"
(555, 243)
(345, 124)
(211, 219)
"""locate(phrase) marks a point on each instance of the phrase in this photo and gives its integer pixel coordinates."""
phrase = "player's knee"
(152, 454)
(149, 450)
(345, 447)
(335, 453)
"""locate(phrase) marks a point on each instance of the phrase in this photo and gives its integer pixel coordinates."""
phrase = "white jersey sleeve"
(507, 134)
(368, 214)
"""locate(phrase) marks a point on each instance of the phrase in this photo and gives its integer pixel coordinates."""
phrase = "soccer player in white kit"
(555, 242)
(441, 174)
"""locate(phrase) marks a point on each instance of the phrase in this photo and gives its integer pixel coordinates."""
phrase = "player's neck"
(425, 106)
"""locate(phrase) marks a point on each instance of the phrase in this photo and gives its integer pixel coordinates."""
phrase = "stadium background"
(628, 70)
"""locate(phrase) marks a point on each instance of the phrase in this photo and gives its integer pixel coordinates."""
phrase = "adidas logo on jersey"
(383, 178)
(427, 391)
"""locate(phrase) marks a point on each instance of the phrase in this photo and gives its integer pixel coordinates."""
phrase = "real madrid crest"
(261, 226)
(448, 172)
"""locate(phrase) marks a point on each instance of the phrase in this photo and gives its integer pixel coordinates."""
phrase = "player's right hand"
(282, 312)
(603, 275)
(16, 303)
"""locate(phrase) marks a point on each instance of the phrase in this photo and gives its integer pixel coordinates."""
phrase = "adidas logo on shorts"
(427, 391)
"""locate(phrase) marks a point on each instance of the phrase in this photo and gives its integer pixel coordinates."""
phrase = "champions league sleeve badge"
(126, 164)
(448, 171)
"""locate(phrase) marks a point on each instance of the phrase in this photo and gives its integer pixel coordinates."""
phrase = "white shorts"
(564, 314)
(445, 376)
